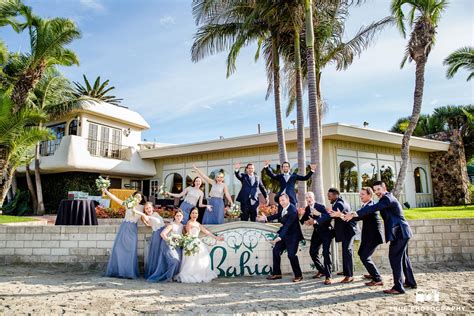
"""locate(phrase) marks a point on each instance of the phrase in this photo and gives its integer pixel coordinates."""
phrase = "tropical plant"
(98, 92)
(423, 20)
(461, 58)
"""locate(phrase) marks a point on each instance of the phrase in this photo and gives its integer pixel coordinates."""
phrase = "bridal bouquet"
(130, 202)
(190, 245)
(162, 189)
(102, 183)
(234, 210)
(175, 240)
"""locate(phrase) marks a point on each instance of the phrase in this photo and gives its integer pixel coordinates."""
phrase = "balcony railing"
(107, 150)
(48, 148)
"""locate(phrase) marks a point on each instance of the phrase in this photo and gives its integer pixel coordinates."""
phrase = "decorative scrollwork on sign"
(233, 239)
(251, 239)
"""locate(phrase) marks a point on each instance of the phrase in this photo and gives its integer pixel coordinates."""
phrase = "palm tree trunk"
(315, 132)
(417, 102)
(39, 189)
(6, 184)
(31, 189)
(276, 91)
(300, 122)
(14, 185)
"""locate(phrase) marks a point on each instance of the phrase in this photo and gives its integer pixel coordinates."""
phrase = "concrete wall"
(437, 240)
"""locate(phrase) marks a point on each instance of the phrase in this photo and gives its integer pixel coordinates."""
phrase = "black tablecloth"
(77, 212)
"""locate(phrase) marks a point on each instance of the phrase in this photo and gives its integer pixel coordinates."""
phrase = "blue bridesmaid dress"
(216, 216)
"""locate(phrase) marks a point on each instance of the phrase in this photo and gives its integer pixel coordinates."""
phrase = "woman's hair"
(194, 208)
(194, 181)
(149, 203)
(142, 201)
(220, 174)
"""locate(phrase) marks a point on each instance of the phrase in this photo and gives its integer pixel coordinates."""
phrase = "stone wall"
(437, 240)
(449, 172)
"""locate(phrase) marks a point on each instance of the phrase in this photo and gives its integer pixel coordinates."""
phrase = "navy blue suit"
(345, 233)
(372, 236)
(248, 196)
(322, 235)
(291, 235)
(398, 232)
(287, 186)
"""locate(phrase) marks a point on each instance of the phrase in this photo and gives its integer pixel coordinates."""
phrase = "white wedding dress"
(196, 268)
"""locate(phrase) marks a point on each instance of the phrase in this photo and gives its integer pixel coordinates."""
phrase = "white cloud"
(93, 4)
(167, 20)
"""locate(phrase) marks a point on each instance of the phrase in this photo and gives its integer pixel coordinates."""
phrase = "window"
(348, 176)
(136, 185)
(73, 127)
(174, 182)
(48, 148)
(387, 174)
(104, 141)
(421, 180)
(368, 172)
(93, 138)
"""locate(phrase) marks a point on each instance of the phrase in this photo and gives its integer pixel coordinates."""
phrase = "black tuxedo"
(372, 236)
(345, 233)
(287, 186)
(398, 232)
(322, 235)
(248, 195)
(291, 235)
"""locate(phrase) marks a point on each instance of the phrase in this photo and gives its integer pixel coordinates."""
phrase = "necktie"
(284, 212)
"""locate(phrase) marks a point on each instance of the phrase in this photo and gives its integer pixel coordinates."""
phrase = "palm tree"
(18, 136)
(461, 58)
(423, 20)
(427, 125)
(99, 91)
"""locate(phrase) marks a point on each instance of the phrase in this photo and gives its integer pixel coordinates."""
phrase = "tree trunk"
(14, 185)
(276, 91)
(39, 189)
(300, 122)
(3, 170)
(31, 189)
(6, 184)
(417, 102)
(315, 132)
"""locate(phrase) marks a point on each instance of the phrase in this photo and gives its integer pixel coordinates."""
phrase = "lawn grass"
(440, 212)
(14, 219)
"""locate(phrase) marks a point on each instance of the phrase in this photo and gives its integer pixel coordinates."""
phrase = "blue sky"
(143, 47)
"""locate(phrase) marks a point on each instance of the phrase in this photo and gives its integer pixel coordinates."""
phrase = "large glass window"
(73, 127)
(368, 172)
(421, 180)
(48, 148)
(348, 176)
(174, 182)
(387, 174)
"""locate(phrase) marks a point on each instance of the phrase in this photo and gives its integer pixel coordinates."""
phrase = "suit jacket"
(342, 228)
(249, 191)
(324, 230)
(290, 231)
(396, 226)
(287, 186)
(372, 228)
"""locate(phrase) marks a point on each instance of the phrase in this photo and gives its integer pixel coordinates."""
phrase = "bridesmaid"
(164, 261)
(192, 195)
(216, 198)
(123, 260)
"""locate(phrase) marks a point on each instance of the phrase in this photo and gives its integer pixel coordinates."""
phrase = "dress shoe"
(274, 277)
(410, 286)
(368, 276)
(327, 281)
(318, 275)
(392, 291)
(347, 279)
(340, 273)
(374, 283)
(297, 279)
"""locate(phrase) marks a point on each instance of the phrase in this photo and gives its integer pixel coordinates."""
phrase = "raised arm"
(179, 195)
(227, 194)
(308, 175)
(202, 175)
(237, 173)
(268, 171)
(112, 196)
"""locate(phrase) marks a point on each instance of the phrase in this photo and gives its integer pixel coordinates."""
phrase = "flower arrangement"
(234, 211)
(130, 202)
(102, 183)
(267, 210)
(175, 240)
(190, 245)
(166, 212)
(104, 212)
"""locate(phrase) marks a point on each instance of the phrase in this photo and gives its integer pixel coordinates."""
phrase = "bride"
(197, 267)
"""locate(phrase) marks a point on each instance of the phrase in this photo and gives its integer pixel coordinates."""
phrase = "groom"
(289, 237)
(248, 195)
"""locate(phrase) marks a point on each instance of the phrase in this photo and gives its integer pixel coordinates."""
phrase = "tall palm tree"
(99, 91)
(461, 58)
(423, 19)
(18, 136)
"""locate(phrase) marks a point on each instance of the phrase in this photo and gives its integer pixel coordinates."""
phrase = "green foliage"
(98, 91)
(14, 219)
(461, 58)
(440, 212)
(19, 205)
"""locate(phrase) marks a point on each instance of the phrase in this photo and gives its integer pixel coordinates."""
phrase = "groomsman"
(322, 235)
(289, 237)
(372, 236)
(287, 181)
(345, 231)
(248, 195)
(397, 231)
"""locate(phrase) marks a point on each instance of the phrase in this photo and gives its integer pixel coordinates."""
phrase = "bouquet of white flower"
(175, 240)
(102, 183)
(234, 210)
(130, 202)
(190, 245)
(162, 190)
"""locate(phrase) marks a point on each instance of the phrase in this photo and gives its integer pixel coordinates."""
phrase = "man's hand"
(335, 214)
(237, 165)
(274, 241)
(266, 163)
(315, 213)
(347, 217)
(309, 222)
(301, 211)
(313, 167)
(261, 218)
